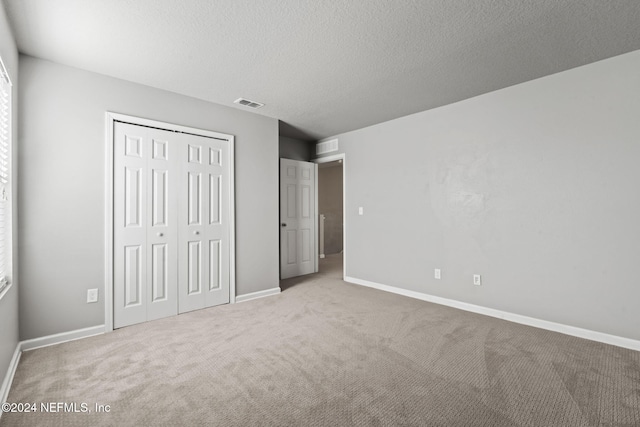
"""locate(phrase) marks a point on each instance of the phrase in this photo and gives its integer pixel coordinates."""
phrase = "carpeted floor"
(328, 353)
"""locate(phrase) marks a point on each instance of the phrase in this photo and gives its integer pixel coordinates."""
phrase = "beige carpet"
(328, 353)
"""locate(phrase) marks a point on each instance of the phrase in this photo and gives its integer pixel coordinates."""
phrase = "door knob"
(160, 234)
(284, 224)
(196, 232)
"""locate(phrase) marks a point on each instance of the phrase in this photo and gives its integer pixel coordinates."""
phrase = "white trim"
(316, 266)
(166, 126)
(333, 158)
(8, 378)
(110, 119)
(512, 317)
(108, 224)
(259, 294)
(61, 337)
(232, 220)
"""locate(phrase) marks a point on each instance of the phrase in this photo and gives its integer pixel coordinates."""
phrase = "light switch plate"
(92, 295)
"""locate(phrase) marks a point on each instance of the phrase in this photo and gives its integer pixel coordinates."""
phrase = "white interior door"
(297, 218)
(204, 228)
(172, 222)
(145, 229)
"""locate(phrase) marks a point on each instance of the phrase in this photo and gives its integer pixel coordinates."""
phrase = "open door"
(297, 218)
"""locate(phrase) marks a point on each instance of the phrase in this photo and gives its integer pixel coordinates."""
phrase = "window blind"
(5, 177)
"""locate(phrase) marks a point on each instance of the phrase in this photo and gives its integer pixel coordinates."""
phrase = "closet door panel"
(162, 229)
(130, 221)
(204, 223)
(145, 225)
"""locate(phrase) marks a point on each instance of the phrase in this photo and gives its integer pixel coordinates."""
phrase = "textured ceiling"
(325, 67)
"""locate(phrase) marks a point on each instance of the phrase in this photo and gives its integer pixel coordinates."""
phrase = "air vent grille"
(248, 103)
(327, 146)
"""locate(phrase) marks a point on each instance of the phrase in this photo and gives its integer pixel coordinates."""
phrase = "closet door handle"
(160, 234)
(196, 232)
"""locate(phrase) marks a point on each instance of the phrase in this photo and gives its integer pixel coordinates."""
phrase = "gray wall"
(9, 303)
(330, 204)
(295, 149)
(535, 187)
(62, 132)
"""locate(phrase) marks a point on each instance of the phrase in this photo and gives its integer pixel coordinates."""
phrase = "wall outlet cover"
(92, 295)
(436, 273)
(477, 279)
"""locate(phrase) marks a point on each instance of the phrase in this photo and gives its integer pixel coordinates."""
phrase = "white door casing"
(297, 218)
(158, 178)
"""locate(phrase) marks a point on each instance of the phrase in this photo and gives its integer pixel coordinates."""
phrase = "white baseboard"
(321, 256)
(38, 343)
(259, 294)
(61, 337)
(512, 317)
(8, 378)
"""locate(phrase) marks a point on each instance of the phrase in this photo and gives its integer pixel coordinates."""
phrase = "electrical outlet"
(477, 279)
(360, 210)
(92, 295)
(436, 273)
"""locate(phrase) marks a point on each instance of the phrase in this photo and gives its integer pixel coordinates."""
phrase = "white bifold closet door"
(171, 223)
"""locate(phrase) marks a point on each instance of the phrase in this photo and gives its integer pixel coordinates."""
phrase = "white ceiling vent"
(248, 103)
(327, 146)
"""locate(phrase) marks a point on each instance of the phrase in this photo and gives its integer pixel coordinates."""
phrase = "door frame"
(110, 119)
(328, 159)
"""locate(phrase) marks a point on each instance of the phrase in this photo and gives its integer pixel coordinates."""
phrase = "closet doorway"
(171, 232)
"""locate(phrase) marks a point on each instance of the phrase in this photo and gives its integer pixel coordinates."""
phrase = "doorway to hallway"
(331, 214)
